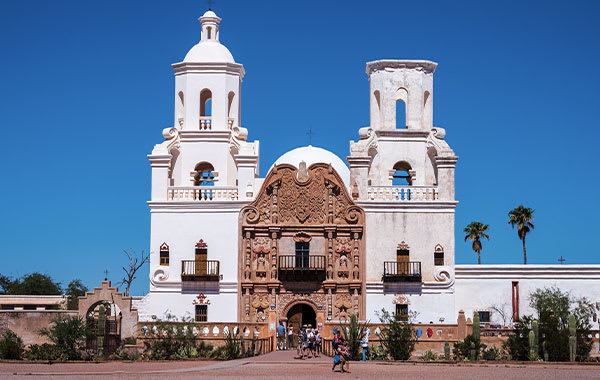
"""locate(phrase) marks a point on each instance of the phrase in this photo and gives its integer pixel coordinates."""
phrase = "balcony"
(202, 193)
(402, 271)
(192, 270)
(292, 267)
(402, 193)
(205, 123)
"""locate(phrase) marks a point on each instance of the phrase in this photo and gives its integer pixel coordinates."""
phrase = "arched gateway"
(301, 249)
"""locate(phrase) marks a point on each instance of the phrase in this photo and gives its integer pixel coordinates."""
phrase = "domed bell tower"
(208, 83)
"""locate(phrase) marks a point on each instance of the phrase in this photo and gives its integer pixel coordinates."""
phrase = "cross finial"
(210, 3)
(310, 134)
(106, 275)
(562, 260)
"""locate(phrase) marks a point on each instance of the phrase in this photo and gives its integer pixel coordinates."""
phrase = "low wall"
(27, 323)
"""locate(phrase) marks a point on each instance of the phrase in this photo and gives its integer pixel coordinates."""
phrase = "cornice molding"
(530, 271)
(427, 66)
(182, 68)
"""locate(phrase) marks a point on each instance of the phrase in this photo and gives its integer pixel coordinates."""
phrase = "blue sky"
(87, 87)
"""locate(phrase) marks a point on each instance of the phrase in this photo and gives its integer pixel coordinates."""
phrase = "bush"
(553, 308)
(492, 353)
(377, 353)
(68, 334)
(429, 356)
(462, 350)
(353, 333)
(398, 336)
(46, 351)
(11, 346)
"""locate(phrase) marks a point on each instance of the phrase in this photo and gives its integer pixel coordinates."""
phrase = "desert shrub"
(129, 340)
(429, 356)
(462, 350)
(492, 353)
(46, 351)
(553, 308)
(168, 337)
(11, 346)
(68, 334)
(377, 353)
(353, 333)
(233, 348)
(398, 337)
(88, 354)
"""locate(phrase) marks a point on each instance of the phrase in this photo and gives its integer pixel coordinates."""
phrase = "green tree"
(5, 284)
(73, 291)
(398, 337)
(522, 217)
(68, 334)
(32, 284)
(476, 231)
(553, 308)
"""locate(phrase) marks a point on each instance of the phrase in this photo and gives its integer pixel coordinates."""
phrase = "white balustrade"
(402, 193)
(202, 193)
(205, 122)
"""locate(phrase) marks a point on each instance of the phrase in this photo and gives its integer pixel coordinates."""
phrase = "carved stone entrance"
(301, 314)
(302, 241)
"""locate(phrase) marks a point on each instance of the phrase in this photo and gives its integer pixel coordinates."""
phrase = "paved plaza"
(282, 365)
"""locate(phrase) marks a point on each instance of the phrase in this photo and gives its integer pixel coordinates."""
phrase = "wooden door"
(201, 261)
(403, 261)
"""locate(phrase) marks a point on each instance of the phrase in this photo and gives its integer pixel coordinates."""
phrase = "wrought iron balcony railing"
(401, 271)
(192, 270)
(297, 267)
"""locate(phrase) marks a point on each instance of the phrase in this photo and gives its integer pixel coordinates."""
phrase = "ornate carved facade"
(310, 207)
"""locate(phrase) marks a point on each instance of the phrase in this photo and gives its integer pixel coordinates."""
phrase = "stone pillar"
(445, 167)
(359, 174)
(462, 325)
(160, 175)
(246, 165)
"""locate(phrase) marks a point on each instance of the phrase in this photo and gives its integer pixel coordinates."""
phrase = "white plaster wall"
(479, 287)
(181, 229)
(429, 307)
(222, 308)
(389, 224)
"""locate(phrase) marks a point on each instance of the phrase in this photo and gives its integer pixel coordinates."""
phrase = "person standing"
(317, 343)
(310, 341)
(281, 336)
(290, 337)
(301, 341)
(364, 343)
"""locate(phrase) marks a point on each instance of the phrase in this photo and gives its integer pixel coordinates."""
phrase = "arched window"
(164, 254)
(438, 256)
(401, 176)
(204, 174)
(205, 103)
(401, 101)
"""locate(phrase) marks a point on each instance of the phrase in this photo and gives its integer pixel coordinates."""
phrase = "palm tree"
(522, 217)
(476, 231)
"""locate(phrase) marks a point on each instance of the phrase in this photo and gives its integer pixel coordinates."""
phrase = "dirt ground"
(282, 365)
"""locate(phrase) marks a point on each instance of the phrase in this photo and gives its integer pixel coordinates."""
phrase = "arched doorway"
(302, 314)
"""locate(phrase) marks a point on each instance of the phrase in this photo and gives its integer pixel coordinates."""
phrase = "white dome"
(311, 155)
(209, 13)
(209, 51)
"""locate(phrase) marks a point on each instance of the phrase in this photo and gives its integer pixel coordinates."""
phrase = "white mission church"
(318, 237)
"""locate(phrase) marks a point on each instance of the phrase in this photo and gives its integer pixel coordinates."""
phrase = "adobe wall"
(27, 323)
